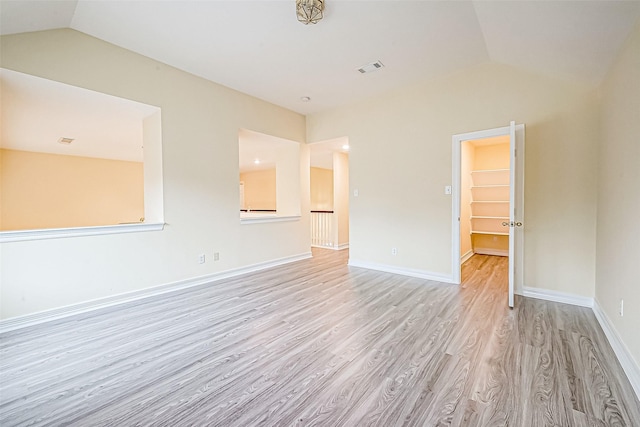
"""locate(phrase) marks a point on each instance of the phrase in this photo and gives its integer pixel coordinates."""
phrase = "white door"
(516, 207)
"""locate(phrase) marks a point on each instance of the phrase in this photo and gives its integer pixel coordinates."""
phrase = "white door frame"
(457, 141)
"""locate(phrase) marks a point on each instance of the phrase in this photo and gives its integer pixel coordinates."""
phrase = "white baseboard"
(491, 251)
(333, 248)
(466, 256)
(629, 365)
(555, 296)
(14, 323)
(422, 274)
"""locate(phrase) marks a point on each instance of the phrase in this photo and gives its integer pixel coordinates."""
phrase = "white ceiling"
(254, 146)
(259, 48)
(37, 112)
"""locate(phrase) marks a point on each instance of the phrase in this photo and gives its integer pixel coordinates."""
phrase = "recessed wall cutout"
(98, 157)
(269, 176)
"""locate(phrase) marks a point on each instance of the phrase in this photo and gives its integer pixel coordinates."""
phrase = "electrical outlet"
(621, 307)
(394, 251)
(216, 256)
(201, 259)
(447, 189)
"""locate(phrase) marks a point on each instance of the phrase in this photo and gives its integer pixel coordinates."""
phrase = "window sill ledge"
(58, 233)
(268, 218)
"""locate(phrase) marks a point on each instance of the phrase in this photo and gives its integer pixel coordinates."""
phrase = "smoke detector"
(66, 141)
(371, 67)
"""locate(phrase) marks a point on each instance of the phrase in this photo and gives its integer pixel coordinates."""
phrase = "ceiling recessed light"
(256, 161)
(66, 141)
(305, 99)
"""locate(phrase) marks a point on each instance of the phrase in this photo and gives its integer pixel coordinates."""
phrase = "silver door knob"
(518, 224)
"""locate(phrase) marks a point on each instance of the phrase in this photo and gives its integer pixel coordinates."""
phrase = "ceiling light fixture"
(256, 161)
(309, 11)
(305, 99)
(66, 141)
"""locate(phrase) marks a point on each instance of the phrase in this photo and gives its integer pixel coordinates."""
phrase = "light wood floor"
(319, 343)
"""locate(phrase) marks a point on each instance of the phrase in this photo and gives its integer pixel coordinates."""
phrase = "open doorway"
(488, 200)
(329, 179)
(484, 208)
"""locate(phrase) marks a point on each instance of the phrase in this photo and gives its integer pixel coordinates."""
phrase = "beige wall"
(618, 228)
(200, 123)
(259, 189)
(1, 196)
(321, 189)
(153, 181)
(403, 205)
(42, 190)
(288, 174)
(491, 242)
(494, 156)
(341, 196)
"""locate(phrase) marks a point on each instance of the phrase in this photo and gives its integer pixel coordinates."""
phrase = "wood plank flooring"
(318, 343)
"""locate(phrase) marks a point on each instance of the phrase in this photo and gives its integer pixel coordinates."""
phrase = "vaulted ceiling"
(259, 48)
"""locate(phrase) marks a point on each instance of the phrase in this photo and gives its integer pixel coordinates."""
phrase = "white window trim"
(58, 233)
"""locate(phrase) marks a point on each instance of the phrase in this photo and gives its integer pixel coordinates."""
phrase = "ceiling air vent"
(64, 140)
(371, 67)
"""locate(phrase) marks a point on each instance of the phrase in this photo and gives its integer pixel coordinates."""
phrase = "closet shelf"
(494, 233)
(489, 217)
(489, 201)
(490, 170)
